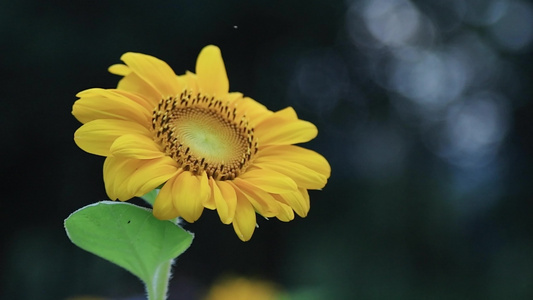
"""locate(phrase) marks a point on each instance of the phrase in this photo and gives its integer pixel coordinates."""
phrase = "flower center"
(201, 134)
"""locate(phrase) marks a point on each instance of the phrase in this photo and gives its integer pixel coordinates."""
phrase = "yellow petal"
(109, 178)
(126, 178)
(244, 221)
(139, 99)
(103, 104)
(286, 213)
(254, 111)
(212, 77)
(264, 203)
(205, 184)
(297, 201)
(268, 181)
(281, 129)
(136, 146)
(295, 154)
(151, 174)
(155, 72)
(117, 172)
(305, 194)
(134, 84)
(190, 80)
(225, 200)
(287, 113)
(119, 69)
(303, 176)
(97, 136)
(233, 97)
(188, 196)
(163, 206)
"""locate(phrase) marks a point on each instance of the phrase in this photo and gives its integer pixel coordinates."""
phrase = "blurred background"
(424, 111)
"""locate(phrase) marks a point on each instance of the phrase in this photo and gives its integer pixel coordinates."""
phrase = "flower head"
(241, 288)
(205, 146)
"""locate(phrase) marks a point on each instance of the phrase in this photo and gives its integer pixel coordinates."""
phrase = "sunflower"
(204, 146)
(242, 288)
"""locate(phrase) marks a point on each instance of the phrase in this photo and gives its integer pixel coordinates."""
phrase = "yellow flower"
(205, 146)
(244, 289)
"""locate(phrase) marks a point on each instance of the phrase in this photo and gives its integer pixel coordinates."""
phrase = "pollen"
(202, 133)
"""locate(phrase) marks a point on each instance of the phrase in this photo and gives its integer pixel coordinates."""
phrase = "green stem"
(157, 289)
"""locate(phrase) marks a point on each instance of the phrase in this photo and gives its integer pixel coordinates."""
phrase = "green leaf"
(129, 236)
